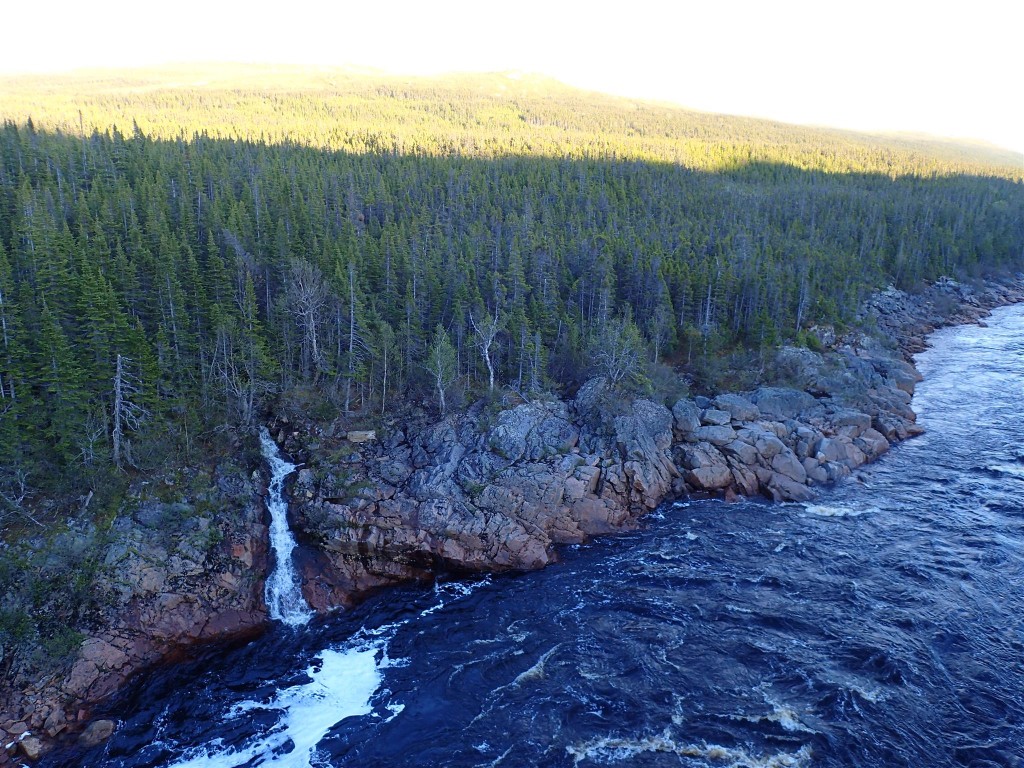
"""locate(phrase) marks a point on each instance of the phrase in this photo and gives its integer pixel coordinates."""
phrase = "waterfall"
(283, 596)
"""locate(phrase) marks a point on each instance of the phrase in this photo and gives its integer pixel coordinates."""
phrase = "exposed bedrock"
(484, 491)
(478, 491)
(171, 574)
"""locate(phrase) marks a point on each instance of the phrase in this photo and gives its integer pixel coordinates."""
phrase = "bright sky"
(942, 67)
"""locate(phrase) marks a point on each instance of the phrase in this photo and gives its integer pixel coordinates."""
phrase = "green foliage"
(807, 339)
(442, 365)
(48, 591)
(338, 245)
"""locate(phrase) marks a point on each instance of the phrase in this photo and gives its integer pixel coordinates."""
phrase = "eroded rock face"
(454, 496)
(476, 494)
(173, 574)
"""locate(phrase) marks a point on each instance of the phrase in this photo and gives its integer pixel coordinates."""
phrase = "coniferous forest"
(179, 258)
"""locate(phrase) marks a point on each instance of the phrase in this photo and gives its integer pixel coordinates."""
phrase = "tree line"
(153, 289)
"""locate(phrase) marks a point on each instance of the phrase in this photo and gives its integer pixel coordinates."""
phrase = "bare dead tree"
(307, 294)
(14, 489)
(618, 352)
(94, 435)
(486, 332)
(128, 414)
(442, 364)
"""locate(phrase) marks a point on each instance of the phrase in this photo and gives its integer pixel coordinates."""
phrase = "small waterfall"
(283, 596)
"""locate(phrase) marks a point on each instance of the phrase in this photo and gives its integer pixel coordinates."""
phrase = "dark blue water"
(881, 626)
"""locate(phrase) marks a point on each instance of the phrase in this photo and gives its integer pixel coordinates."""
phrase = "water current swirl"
(882, 625)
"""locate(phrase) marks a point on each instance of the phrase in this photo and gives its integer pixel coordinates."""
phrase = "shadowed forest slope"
(357, 241)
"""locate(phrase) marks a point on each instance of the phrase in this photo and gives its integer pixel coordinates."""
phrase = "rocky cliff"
(486, 491)
(171, 574)
(489, 489)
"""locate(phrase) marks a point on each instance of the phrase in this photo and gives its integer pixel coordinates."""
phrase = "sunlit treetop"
(472, 115)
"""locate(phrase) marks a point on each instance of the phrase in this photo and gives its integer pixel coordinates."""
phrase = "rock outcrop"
(906, 319)
(173, 574)
(458, 496)
(481, 491)
(478, 491)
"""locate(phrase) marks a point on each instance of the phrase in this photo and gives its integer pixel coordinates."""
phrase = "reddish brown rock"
(97, 732)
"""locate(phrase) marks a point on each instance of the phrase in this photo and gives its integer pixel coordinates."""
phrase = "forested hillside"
(174, 258)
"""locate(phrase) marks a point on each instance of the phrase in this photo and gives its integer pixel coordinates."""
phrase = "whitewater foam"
(827, 510)
(1013, 470)
(282, 593)
(341, 685)
(613, 750)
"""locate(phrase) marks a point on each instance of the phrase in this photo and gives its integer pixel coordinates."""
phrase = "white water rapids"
(283, 595)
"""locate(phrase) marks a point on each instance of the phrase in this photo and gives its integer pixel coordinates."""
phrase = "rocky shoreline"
(484, 490)
(173, 574)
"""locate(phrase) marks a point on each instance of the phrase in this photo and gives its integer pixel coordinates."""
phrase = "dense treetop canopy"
(179, 249)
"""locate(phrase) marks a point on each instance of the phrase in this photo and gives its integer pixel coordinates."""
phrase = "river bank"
(489, 491)
(484, 491)
(877, 625)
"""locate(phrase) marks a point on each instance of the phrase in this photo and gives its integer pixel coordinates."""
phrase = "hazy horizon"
(910, 68)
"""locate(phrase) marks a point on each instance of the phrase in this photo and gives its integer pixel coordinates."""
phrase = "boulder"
(892, 428)
(898, 373)
(786, 463)
(591, 396)
(718, 435)
(742, 451)
(31, 747)
(782, 402)
(839, 450)
(855, 457)
(685, 418)
(712, 417)
(847, 417)
(55, 722)
(738, 407)
(815, 472)
(707, 469)
(828, 449)
(835, 471)
(780, 487)
(744, 477)
(872, 443)
(767, 444)
(96, 733)
(892, 402)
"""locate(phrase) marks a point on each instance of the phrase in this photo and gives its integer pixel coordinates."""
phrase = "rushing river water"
(283, 596)
(882, 625)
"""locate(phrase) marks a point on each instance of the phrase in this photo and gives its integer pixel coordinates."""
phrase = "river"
(882, 625)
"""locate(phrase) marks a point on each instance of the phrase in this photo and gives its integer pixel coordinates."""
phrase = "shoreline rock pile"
(461, 496)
